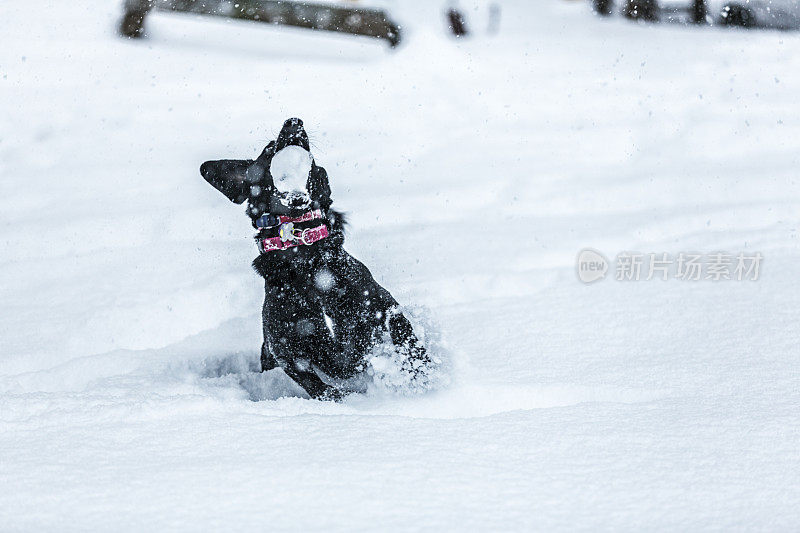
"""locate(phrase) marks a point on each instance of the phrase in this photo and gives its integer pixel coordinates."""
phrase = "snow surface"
(473, 172)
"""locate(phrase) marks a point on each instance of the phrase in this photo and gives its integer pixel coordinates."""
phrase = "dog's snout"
(293, 123)
(292, 128)
(292, 134)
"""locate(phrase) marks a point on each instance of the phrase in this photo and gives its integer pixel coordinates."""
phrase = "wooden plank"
(313, 16)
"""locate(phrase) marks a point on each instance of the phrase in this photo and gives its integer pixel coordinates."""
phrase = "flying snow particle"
(324, 280)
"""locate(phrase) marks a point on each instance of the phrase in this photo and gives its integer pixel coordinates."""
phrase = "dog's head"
(283, 180)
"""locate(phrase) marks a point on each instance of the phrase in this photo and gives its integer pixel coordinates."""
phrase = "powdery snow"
(290, 168)
(473, 172)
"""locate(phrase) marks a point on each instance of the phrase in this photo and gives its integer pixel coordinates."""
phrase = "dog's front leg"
(301, 372)
(291, 339)
(403, 336)
(363, 306)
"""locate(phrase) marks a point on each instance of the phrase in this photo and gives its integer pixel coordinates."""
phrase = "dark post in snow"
(355, 21)
(456, 22)
(699, 12)
(602, 7)
(646, 10)
(494, 19)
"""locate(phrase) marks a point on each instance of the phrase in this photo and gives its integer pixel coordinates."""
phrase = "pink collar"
(270, 221)
(289, 237)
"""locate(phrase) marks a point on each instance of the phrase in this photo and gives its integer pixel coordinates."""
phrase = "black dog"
(323, 311)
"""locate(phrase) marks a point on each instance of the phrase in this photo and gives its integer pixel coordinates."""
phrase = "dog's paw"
(404, 370)
(409, 362)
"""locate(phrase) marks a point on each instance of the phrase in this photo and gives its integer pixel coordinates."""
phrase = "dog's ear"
(258, 171)
(228, 177)
(266, 155)
(318, 186)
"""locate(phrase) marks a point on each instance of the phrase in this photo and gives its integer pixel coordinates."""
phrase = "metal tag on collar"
(267, 221)
(286, 233)
(306, 236)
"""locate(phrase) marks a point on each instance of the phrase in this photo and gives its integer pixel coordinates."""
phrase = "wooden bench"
(325, 17)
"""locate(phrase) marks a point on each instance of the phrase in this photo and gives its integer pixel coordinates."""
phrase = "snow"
(290, 168)
(473, 172)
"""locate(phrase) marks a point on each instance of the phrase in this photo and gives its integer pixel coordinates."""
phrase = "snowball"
(290, 168)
